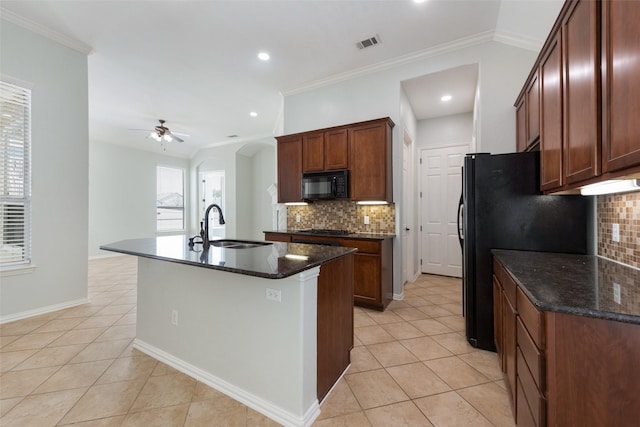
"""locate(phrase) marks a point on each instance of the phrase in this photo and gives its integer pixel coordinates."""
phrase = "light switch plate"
(366, 220)
(615, 232)
(616, 292)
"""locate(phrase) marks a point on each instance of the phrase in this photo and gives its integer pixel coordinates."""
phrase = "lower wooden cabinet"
(372, 266)
(570, 370)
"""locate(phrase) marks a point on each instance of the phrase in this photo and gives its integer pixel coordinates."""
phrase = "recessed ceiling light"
(419, 1)
(445, 98)
(264, 56)
(253, 114)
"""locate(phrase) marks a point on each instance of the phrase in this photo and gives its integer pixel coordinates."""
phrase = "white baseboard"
(398, 297)
(257, 403)
(42, 310)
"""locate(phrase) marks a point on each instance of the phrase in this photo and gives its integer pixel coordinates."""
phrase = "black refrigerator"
(502, 208)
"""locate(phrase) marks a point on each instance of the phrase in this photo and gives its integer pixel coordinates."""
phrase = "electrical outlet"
(298, 218)
(615, 232)
(174, 317)
(366, 220)
(616, 292)
(274, 295)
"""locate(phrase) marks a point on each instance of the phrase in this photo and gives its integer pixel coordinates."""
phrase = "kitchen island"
(270, 325)
(567, 331)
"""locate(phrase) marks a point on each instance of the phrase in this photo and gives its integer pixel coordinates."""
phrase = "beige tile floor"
(411, 366)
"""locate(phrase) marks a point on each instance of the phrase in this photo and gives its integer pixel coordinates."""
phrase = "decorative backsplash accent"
(343, 215)
(623, 209)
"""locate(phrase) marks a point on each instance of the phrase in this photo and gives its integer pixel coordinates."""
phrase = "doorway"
(440, 187)
(408, 229)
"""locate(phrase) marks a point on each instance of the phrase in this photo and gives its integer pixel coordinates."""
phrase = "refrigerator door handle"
(460, 221)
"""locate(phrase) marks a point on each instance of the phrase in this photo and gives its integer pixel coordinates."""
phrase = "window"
(170, 199)
(212, 192)
(15, 175)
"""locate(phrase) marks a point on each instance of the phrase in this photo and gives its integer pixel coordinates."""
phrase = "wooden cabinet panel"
(533, 110)
(289, 169)
(523, 415)
(551, 159)
(530, 393)
(521, 125)
(592, 371)
(531, 318)
(277, 237)
(335, 322)
(370, 161)
(497, 323)
(336, 150)
(367, 278)
(363, 246)
(620, 84)
(580, 33)
(313, 152)
(533, 357)
(509, 330)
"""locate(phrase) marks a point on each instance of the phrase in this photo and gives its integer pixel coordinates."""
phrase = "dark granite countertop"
(370, 236)
(576, 284)
(275, 260)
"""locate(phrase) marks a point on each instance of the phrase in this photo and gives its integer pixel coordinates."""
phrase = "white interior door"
(441, 184)
(407, 212)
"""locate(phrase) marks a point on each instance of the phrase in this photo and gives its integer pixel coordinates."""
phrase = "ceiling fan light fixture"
(167, 137)
(155, 135)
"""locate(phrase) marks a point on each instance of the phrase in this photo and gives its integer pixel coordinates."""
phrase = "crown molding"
(518, 40)
(63, 39)
(440, 49)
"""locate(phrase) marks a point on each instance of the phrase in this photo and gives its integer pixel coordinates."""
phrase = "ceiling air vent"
(232, 136)
(369, 42)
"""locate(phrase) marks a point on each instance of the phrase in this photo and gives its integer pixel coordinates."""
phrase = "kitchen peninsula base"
(270, 326)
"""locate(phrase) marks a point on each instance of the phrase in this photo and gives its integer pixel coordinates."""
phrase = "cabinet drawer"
(529, 392)
(277, 237)
(531, 318)
(498, 270)
(509, 286)
(532, 356)
(524, 418)
(363, 246)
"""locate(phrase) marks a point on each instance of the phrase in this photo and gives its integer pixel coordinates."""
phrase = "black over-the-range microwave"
(325, 185)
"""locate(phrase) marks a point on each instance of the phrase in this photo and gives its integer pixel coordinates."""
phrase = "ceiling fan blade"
(177, 138)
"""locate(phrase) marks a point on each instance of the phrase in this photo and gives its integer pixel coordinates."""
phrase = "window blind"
(15, 175)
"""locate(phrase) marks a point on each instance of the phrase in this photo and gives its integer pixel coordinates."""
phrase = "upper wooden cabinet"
(620, 84)
(370, 163)
(581, 63)
(364, 148)
(528, 115)
(588, 95)
(551, 168)
(323, 151)
(289, 168)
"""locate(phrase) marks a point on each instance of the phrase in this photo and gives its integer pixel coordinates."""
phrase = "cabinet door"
(370, 162)
(521, 125)
(497, 319)
(533, 110)
(336, 150)
(620, 84)
(366, 278)
(289, 169)
(509, 333)
(551, 172)
(313, 152)
(581, 91)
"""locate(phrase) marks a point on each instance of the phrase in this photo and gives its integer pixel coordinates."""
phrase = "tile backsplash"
(622, 209)
(343, 215)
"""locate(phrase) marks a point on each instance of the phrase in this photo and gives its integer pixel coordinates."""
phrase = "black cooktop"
(325, 231)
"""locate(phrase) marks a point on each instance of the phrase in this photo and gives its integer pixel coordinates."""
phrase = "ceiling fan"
(162, 133)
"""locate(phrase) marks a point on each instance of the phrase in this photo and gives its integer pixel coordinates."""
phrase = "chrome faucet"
(204, 231)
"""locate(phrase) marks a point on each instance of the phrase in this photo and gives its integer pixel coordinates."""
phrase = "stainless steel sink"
(237, 244)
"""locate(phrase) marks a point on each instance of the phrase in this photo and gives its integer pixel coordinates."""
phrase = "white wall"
(502, 72)
(122, 193)
(60, 137)
(264, 175)
(448, 130)
(248, 168)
